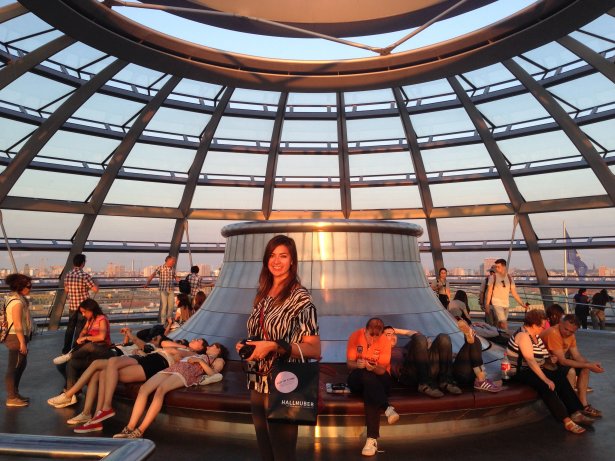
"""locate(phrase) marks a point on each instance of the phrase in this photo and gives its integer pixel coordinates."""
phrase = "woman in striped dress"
(531, 365)
(283, 320)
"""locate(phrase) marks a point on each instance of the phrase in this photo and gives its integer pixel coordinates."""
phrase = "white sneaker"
(370, 448)
(81, 418)
(391, 414)
(60, 359)
(61, 401)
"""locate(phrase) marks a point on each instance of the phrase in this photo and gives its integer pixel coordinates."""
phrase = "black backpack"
(184, 286)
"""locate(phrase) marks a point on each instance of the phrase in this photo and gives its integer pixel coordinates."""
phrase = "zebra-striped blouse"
(512, 350)
(290, 321)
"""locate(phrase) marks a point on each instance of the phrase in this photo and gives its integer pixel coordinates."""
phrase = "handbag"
(293, 392)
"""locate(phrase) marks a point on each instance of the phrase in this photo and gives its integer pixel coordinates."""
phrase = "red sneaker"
(88, 427)
(101, 415)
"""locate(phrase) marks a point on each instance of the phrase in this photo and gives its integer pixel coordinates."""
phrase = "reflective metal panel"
(354, 270)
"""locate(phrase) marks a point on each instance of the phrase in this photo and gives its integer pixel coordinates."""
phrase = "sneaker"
(16, 402)
(592, 412)
(451, 388)
(129, 434)
(88, 427)
(81, 418)
(486, 385)
(60, 359)
(61, 401)
(430, 391)
(370, 448)
(101, 415)
(391, 414)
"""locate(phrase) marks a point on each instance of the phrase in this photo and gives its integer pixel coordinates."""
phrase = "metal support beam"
(12, 11)
(195, 170)
(514, 195)
(597, 61)
(49, 127)
(576, 135)
(17, 68)
(104, 185)
(421, 178)
(272, 157)
(342, 146)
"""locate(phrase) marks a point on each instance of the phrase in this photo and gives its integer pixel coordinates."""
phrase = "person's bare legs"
(91, 393)
(170, 382)
(582, 383)
(95, 367)
(141, 401)
(114, 366)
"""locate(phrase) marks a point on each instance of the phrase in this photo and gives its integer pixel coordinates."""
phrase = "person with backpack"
(482, 293)
(499, 288)
(18, 322)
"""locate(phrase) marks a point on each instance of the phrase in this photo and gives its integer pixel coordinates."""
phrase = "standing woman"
(283, 319)
(20, 328)
(442, 287)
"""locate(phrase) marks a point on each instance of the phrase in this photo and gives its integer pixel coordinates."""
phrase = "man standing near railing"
(77, 284)
(166, 276)
(500, 286)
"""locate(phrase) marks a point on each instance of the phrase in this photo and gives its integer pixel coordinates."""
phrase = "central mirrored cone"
(353, 269)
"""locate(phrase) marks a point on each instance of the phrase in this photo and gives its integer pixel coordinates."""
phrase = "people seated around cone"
(432, 369)
(185, 373)
(183, 311)
(561, 341)
(531, 364)
(458, 307)
(198, 301)
(554, 313)
(368, 357)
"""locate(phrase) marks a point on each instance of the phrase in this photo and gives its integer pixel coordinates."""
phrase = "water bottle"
(359, 352)
(505, 367)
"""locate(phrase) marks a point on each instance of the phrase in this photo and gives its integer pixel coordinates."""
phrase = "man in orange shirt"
(561, 341)
(368, 357)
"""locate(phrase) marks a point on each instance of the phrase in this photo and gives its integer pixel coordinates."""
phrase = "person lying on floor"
(185, 373)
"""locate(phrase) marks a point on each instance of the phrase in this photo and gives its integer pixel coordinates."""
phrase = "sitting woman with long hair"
(531, 365)
(188, 372)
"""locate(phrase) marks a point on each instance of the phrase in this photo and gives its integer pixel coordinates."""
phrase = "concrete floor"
(545, 440)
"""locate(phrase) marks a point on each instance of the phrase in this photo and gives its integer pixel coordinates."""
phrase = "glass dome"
(113, 156)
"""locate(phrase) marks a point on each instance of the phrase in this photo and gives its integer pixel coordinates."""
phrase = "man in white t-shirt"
(500, 286)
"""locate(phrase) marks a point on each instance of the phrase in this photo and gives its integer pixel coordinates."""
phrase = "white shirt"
(501, 290)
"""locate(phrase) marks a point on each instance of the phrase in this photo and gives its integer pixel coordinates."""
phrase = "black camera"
(247, 349)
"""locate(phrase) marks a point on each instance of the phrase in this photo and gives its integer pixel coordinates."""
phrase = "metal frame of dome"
(102, 28)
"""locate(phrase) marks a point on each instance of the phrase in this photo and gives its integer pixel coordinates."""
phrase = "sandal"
(573, 427)
(590, 411)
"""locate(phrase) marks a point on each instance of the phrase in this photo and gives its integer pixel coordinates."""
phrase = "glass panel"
(144, 193)
(573, 92)
(182, 122)
(578, 183)
(44, 264)
(108, 109)
(367, 97)
(468, 193)
(241, 128)
(305, 166)
(599, 263)
(58, 186)
(512, 110)
(208, 231)
(579, 223)
(13, 132)
(386, 128)
(592, 42)
(602, 133)
(235, 163)
(306, 199)
(543, 146)
(370, 198)
(137, 75)
(604, 26)
(441, 122)
(129, 229)
(33, 91)
(80, 147)
(476, 228)
(26, 25)
(551, 55)
(196, 89)
(489, 75)
(310, 132)
(428, 89)
(37, 224)
(311, 102)
(269, 98)
(77, 55)
(159, 158)
(422, 223)
(233, 198)
(385, 163)
(456, 158)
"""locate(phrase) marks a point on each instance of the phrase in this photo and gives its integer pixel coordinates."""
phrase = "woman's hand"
(23, 348)
(550, 384)
(262, 349)
(81, 340)
(193, 360)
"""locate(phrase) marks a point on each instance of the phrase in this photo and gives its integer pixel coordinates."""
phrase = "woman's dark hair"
(92, 306)
(442, 269)
(582, 290)
(199, 299)
(265, 281)
(184, 301)
(18, 282)
(204, 343)
(554, 313)
(223, 351)
(534, 317)
(462, 296)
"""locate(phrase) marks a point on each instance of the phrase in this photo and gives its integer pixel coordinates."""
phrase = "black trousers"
(75, 324)
(582, 312)
(470, 356)
(15, 366)
(424, 364)
(276, 441)
(82, 358)
(561, 402)
(375, 390)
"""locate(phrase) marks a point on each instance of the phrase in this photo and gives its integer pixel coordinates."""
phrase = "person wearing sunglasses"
(499, 289)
